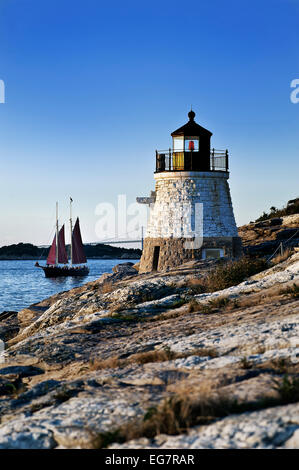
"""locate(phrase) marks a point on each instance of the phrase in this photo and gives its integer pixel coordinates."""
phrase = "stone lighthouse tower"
(191, 214)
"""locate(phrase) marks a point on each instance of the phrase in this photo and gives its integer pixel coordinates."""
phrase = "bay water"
(22, 284)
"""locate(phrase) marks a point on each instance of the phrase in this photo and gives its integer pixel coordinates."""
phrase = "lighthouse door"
(156, 258)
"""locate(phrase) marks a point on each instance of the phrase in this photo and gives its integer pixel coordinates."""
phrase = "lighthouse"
(191, 213)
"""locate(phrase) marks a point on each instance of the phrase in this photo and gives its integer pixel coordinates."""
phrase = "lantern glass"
(178, 144)
(191, 144)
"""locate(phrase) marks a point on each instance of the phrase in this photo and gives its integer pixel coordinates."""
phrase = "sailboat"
(58, 255)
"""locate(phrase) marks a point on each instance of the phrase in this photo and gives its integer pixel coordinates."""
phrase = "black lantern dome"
(191, 128)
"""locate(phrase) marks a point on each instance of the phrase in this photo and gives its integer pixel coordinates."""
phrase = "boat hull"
(57, 271)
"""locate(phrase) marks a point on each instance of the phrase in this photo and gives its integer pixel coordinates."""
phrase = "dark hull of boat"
(57, 271)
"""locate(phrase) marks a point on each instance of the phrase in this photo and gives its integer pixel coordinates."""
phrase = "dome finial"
(191, 115)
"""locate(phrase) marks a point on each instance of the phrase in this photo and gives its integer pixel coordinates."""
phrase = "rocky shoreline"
(103, 365)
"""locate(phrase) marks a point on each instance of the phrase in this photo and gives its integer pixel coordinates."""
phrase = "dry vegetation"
(185, 409)
(220, 303)
(282, 257)
(107, 287)
(161, 355)
(228, 274)
(293, 291)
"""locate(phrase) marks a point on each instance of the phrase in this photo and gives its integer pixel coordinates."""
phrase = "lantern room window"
(191, 144)
(178, 144)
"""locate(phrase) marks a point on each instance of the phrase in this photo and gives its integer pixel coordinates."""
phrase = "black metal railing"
(170, 160)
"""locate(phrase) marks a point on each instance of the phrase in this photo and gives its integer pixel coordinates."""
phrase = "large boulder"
(126, 268)
(269, 222)
(120, 271)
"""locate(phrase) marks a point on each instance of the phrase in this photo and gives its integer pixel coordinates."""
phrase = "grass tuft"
(177, 414)
(288, 389)
(282, 257)
(219, 302)
(293, 291)
(160, 355)
(245, 363)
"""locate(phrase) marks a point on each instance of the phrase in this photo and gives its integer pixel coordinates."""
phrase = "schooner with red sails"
(58, 255)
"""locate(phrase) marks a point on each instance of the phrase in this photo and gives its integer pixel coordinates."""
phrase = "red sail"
(77, 245)
(52, 253)
(62, 256)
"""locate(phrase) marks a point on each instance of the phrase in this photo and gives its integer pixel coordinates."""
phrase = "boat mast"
(56, 251)
(71, 227)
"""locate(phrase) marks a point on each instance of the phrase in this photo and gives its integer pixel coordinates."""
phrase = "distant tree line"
(291, 208)
(24, 250)
(20, 250)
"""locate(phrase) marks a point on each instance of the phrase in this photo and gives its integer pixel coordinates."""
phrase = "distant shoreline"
(27, 251)
(28, 258)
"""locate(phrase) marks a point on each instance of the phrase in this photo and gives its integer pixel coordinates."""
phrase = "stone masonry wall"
(174, 253)
(182, 195)
(188, 205)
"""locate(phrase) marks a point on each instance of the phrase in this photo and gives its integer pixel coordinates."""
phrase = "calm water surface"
(21, 284)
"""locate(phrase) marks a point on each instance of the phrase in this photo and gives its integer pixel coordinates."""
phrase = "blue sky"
(93, 88)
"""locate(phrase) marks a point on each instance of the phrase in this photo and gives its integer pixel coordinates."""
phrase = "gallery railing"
(170, 160)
